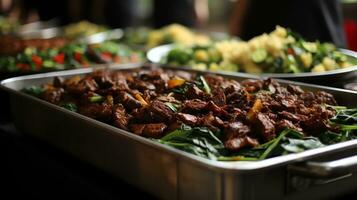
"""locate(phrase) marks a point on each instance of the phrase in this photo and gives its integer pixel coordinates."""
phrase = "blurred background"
(222, 16)
(238, 17)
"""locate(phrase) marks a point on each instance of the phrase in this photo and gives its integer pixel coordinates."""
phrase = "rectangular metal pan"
(173, 174)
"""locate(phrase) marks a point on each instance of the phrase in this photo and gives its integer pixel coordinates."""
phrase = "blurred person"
(114, 13)
(185, 12)
(5, 6)
(313, 19)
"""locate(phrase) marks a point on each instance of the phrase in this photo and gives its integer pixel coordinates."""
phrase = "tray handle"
(325, 169)
(312, 173)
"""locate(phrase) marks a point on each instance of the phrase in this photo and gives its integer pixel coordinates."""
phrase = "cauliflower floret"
(258, 42)
(201, 56)
(228, 66)
(214, 67)
(252, 68)
(274, 45)
(199, 66)
(329, 63)
(279, 32)
(318, 68)
(306, 59)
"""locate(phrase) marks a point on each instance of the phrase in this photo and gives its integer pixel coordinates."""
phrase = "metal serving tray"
(169, 173)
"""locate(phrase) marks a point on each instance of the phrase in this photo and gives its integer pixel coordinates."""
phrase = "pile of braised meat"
(154, 102)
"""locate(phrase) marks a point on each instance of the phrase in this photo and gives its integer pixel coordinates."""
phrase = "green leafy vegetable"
(96, 99)
(299, 145)
(259, 55)
(70, 106)
(174, 107)
(346, 116)
(199, 141)
(206, 87)
(34, 91)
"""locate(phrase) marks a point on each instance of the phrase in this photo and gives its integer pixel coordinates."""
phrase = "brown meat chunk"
(141, 85)
(194, 105)
(291, 117)
(154, 130)
(187, 119)
(85, 85)
(264, 126)
(240, 99)
(128, 100)
(294, 89)
(235, 144)
(137, 128)
(216, 110)
(218, 96)
(252, 85)
(57, 81)
(53, 95)
(194, 92)
(160, 112)
(284, 123)
(101, 112)
(325, 98)
(120, 117)
(211, 122)
(103, 79)
(236, 136)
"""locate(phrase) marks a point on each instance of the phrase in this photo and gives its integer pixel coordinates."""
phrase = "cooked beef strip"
(160, 112)
(53, 95)
(264, 126)
(128, 100)
(236, 136)
(188, 119)
(102, 112)
(57, 81)
(195, 105)
(120, 117)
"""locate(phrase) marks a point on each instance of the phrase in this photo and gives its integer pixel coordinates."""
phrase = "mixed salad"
(281, 51)
(68, 57)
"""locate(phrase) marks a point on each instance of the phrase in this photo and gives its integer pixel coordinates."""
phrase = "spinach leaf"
(34, 91)
(292, 145)
(183, 88)
(199, 141)
(70, 106)
(173, 106)
(329, 137)
(345, 116)
(202, 84)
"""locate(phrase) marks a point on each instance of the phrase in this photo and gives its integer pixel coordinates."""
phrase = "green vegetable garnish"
(259, 55)
(70, 106)
(198, 141)
(34, 91)
(205, 85)
(96, 99)
(174, 107)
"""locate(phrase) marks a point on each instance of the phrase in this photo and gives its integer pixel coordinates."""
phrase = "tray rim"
(231, 166)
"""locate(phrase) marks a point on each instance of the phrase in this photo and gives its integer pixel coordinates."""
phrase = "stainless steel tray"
(173, 174)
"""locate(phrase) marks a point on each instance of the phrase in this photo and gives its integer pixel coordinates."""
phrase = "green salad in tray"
(70, 56)
(281, 51)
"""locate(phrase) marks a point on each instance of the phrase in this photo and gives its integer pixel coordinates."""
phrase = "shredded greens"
(203, 142)
(34, 91)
